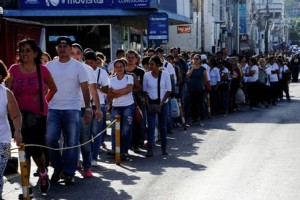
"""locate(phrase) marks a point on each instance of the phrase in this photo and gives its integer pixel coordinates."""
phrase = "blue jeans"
(143, 128)
(162, 124)
(170, 120)
(183, 98)
(85, 135)
(96, 128)
(126, 114)
(67, 123)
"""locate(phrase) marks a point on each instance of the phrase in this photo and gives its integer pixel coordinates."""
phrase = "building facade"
(102, 25)
(268, 25)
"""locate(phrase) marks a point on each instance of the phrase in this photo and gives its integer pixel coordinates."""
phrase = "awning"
(131, 17)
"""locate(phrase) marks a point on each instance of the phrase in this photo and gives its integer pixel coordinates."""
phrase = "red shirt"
(26, 89)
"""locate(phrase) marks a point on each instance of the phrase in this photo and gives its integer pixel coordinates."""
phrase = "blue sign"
(86, 4)
(243, 18)
(158, 27)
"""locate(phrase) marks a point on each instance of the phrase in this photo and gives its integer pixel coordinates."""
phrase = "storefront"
(11, 32)
(101, 25)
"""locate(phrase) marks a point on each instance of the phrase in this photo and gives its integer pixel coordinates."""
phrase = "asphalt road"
(248, 155)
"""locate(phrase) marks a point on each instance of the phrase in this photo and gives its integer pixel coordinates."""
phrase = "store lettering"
(133, 1)
(85, 1)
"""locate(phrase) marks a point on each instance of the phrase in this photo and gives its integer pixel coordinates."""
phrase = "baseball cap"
(64, 40)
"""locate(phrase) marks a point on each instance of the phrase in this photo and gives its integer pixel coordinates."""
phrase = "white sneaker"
(94, 163)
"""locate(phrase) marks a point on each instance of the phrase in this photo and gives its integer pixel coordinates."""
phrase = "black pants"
(274, 91)
(214, 99)
(284, 87)
(252, 88)
(295, 73)
(197, 104)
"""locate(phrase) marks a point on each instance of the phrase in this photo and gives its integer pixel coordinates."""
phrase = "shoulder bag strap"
(166, 64)
(98, 75)
(158, 85)
(38, 70)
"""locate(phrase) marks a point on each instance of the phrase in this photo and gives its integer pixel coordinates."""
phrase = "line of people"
(65, 100)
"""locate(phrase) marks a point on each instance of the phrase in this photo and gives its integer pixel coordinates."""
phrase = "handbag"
(286, 76)
(138, 114)
(153, 105)
(153, 108)
(239, 96)
(175, 112)
(30, 119)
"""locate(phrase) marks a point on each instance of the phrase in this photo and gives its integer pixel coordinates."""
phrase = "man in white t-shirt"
(102, 89)
(64, 110)
(85, 134)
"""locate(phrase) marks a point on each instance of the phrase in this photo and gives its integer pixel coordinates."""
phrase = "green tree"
(294, 30)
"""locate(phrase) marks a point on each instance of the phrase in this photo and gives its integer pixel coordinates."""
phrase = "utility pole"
(202, 27)
(267, 29)
(197, 24)
(237, 26)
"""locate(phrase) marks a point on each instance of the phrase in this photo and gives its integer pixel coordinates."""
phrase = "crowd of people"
(63, 102)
